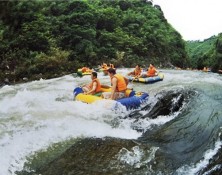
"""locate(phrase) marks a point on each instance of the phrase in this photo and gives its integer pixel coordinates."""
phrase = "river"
(40, 118)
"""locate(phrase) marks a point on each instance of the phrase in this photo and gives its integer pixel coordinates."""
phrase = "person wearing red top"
(151, 72)
(86, 69)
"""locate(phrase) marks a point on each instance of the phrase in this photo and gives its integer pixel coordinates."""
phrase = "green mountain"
(205, 53)
(52, 38)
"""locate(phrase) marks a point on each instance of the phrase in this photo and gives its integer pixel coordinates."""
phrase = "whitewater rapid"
(37, 114)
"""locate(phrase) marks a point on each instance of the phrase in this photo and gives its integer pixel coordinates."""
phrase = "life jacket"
(121, 84)
(137, 72)
(151, 71)
(98, 87)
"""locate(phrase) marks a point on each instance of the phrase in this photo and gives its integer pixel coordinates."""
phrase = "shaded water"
(39, 120)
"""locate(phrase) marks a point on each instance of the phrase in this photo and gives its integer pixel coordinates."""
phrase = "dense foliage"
(50, 38)
(207, 53)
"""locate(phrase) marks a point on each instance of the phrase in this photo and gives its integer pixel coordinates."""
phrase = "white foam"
(43, 112)
(195, 168)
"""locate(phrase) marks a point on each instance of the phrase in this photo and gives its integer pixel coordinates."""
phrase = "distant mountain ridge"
(207, 53)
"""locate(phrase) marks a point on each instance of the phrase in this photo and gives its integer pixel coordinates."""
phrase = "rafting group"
(101, 68)
(150, 75)
(118, 90)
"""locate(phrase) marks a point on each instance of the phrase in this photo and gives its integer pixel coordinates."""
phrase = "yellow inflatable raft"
(132, 100)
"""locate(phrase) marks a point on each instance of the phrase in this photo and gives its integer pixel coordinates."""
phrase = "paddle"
(134, 78)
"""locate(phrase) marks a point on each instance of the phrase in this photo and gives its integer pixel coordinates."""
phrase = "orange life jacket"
(98, 87)
(137, 72)
(151, 71)
(121, 84)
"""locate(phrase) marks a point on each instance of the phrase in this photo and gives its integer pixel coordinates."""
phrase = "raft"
(80, 73)
(133, 100)
(147, 80)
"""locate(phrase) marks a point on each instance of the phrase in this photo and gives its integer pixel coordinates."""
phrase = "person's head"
(138, 66)
(111, 71)
(93, 75)
(151, 66)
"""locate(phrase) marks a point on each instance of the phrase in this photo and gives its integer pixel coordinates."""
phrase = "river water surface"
(40, 118)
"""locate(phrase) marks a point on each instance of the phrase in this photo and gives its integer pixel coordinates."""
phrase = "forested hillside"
(207, 53)
(52, 38)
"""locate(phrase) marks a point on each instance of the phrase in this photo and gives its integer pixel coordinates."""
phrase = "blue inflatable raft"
(147, 80)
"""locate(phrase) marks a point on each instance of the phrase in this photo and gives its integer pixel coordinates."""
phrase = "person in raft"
(94, 86)
(151, 72)
(119, 85)
(136, 72)
(104, 66)
(86, 69)
(111, 66)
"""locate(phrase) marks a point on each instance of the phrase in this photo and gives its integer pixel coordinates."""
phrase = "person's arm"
(113, 89)
(138, 74)
(156, 71)
(147, 73)
(126, 80)
(93, 88)
(131, 73)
